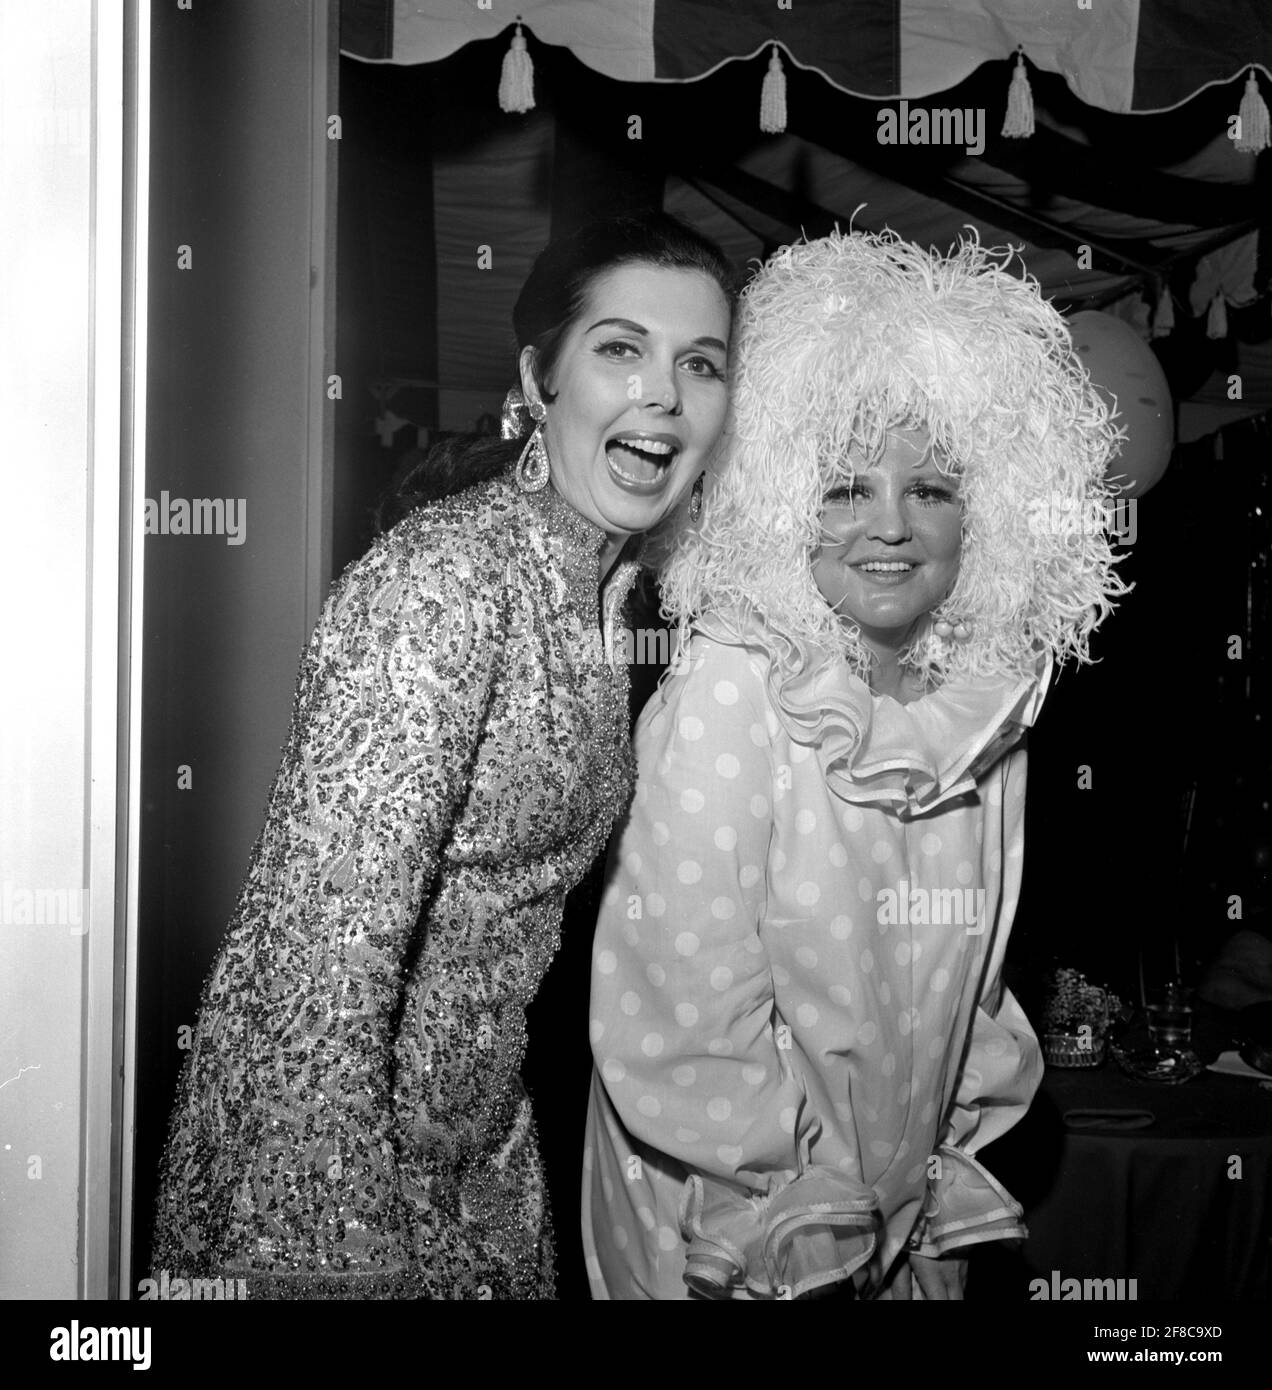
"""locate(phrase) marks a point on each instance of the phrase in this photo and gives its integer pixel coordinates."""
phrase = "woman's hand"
(939, 1280)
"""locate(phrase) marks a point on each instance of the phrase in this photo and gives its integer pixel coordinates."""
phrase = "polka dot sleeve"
(682, 998)
(1001, 1071)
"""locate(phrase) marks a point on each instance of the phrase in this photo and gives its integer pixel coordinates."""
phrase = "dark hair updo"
(551, 300)
(557, 288)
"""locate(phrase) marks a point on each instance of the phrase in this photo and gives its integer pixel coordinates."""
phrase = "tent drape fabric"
(491, 221)
(1119, 55)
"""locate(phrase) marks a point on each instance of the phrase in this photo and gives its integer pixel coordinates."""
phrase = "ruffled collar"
(874, 750)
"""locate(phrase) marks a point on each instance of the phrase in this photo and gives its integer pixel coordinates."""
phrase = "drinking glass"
(1169, 1017)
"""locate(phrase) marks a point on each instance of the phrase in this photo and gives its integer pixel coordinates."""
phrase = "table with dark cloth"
(1181, 1206)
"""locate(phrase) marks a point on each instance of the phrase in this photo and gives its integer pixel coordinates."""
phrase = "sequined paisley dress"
(350, 1122)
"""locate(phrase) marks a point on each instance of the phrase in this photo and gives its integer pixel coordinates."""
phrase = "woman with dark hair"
(350, 1122)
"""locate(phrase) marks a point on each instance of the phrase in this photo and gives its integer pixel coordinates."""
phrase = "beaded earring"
(695, 499)
(959, 630)
(534, 467)
(512, 424)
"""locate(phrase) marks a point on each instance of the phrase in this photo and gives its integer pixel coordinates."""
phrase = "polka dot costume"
(798, 1019)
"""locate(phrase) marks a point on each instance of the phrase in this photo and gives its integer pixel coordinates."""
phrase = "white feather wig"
(836, 341)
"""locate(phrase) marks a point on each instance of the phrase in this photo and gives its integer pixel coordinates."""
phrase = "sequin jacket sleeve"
(390, 706)
(1000, 1072)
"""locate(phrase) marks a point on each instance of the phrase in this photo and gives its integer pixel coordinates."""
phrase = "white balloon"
(1128, 375)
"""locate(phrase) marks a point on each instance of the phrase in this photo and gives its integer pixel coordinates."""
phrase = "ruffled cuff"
(875, 750)
(966, 1205)
(813, 1231)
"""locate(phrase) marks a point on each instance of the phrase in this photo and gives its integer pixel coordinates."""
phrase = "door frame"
(117, 476)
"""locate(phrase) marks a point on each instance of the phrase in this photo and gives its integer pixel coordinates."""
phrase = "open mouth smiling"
(641, 462)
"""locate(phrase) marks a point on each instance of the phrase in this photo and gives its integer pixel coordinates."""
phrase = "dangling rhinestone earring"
(534, 467)
(511, 421)
(695, 499)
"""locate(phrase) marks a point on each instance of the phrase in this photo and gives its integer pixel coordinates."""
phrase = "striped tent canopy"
(1118, 55)
(1130, 196)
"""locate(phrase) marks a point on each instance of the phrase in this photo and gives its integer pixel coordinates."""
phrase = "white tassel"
(773, 97)
(1217, 317)
(1253, 120)
(1019, 120)
(1164, 318)
(516, 81)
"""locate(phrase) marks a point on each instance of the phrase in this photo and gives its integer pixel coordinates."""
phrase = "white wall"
(61, 130)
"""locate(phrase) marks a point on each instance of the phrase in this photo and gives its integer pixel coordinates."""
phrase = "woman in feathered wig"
(800, 1027)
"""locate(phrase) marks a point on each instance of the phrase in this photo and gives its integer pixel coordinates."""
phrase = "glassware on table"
(1169, 1018)
(1145, 1061)
(1160, 1048)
